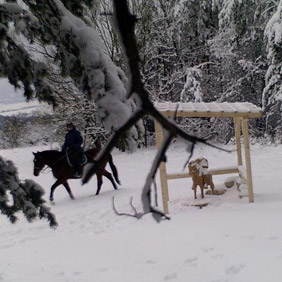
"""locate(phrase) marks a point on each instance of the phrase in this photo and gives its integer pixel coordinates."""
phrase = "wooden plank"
(213, 114)
(218, 171)
(177, 175)
(221, 171)
(163, 173)
(248, 159)
(212, 109)
(237, 127)
(242, 172)
(164, 186)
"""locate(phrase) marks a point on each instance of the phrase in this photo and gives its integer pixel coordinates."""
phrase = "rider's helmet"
(70, 125)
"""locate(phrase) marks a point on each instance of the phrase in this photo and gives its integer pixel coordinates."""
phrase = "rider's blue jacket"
(73, 139)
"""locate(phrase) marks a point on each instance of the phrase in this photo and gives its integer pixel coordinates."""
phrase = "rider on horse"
(73, 146)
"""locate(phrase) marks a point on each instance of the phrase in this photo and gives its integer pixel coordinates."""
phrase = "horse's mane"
(58, 154)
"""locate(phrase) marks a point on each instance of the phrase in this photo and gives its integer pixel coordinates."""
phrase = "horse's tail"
(113, 168)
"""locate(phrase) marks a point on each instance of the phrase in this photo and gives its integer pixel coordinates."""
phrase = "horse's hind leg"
(66, 184)
(110, 177)
(99, 183)
(54, 186)
(113, 168)
(202, 191)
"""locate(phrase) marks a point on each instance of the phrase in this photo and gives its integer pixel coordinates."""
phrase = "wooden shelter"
(239, 112)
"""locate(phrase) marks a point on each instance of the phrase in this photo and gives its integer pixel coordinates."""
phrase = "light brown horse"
(200, 177)
(63, 171)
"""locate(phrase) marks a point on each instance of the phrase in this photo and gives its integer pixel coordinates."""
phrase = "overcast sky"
(8, 94)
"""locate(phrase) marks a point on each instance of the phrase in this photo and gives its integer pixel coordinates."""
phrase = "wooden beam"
(218, 171)
(163, 173)
(248, 159)
(221, 171)
(178, 175)
(243, 172)
(213, 114)
(237, 127)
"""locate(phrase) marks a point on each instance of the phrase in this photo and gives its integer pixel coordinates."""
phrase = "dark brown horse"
(63, 171)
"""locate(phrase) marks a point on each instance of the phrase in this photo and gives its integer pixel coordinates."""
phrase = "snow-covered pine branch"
(26, 196)
(80, 55)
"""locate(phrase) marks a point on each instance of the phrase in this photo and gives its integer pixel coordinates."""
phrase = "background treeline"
(190, 50)
(207, 50)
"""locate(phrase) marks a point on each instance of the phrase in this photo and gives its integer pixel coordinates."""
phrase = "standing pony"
(62, 170)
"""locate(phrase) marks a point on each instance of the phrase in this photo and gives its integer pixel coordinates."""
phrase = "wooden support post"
(163, 173)
(237, 127)
(248, 159)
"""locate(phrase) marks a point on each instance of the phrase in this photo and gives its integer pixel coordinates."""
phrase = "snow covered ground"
(22, 108)
(229, 240)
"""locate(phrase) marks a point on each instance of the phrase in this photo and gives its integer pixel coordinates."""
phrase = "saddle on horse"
(76, 159)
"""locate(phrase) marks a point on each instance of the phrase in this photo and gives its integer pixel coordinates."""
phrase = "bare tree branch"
(146, 194)
(136, 213)
(190, 156)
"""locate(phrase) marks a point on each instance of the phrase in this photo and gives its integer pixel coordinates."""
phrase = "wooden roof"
(213, 109)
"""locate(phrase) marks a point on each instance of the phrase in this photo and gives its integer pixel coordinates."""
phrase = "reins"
(44, 169)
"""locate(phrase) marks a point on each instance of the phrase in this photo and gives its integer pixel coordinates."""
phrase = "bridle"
(42, 170)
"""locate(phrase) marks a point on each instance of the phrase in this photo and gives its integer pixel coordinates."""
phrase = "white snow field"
(229, 240)
(23, 108)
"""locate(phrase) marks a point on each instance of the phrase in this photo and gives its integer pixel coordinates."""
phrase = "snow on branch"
(101, 79)
(192, 86)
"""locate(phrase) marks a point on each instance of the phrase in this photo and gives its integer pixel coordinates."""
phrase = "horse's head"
(38, 162)
(192, 167)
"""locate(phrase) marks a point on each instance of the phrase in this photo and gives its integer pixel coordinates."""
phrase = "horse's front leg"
(54, 186)
(202, 187)
(66, 184)
(194, 187)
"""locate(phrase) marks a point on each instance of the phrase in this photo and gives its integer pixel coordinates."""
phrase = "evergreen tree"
(24, 196)
(272, 94)
(79, 54)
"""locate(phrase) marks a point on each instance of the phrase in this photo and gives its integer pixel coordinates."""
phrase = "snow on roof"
(215, 109)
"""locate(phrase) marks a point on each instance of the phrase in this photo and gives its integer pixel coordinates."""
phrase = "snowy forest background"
(67, 53)
(189, 51)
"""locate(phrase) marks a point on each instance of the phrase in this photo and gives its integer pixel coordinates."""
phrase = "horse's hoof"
(72, 197)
